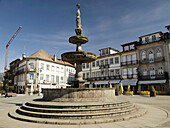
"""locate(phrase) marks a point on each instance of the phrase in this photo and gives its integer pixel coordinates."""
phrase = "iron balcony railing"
(129, 62)
(153, 77)
(104, 66)
(155, 60)
(103, 78)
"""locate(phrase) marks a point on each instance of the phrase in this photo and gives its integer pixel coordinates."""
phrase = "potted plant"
(152, 91)
(117, 90)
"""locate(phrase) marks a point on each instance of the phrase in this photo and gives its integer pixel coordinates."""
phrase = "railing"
(153, 77)
(104, 66)
(155, 60)
(129, 76)
(129, 62)
(103, 78)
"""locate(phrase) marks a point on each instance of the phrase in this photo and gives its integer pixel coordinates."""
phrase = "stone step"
(140, 112)
(75, 105)
(82, 110)
(75, 115)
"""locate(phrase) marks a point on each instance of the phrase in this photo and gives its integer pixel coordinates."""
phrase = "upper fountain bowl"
(78, 39)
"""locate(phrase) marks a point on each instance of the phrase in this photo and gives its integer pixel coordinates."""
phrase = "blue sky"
(48, 24)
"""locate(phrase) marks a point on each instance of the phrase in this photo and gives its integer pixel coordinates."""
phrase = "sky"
(48, 24)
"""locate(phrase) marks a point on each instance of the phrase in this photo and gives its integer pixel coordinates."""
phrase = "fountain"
(79, 56)
(77, 105)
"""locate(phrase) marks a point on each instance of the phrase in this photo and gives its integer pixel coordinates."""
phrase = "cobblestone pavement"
(157, 116)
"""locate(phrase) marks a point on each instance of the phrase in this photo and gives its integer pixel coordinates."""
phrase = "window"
(107, 51)
(41, 77)
(134, 59)
(97, 63)
(106, 73)
(106, 62)
(84, 65)
(143, 56)
(61, 78)
(112, 73)
(47, 67)
(158, 53)
(135, 71)
(129, 59)
(151, 56)
(31, 66)
(101, 62)
(145, 72)
(83, 75)
(42, 66)
(52, 68)
(123, 58)
(103, 52)
(116, 60)
(93, 64)
(129, 71)
(152, 73)
(47, 78)
(126, 48)
(52, 78)
(160, 70)
(132, 47)
(57, 79)
(117, 72)
(124, 72)
(87, 75)
(111, 60)
(147, 39)
(153, 38)
(87, 65)
(57, 69)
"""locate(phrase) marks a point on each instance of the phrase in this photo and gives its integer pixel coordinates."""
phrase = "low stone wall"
(79, 94)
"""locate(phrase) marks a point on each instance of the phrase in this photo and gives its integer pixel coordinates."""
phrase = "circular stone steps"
(76, 112)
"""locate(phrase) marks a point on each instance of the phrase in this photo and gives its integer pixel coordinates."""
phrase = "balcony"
(103, 78)
(104, 66)
(129, 62)
(154, 77)
(155, 60)
(129, 76)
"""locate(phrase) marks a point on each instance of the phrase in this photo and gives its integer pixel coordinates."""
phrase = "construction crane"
(6, 55)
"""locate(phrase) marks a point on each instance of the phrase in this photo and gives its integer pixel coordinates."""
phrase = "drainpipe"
(167, 57)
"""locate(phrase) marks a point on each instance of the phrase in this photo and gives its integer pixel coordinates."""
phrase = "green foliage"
(152, 89)
(117, 88)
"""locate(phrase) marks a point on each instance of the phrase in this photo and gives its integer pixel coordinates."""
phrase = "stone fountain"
(79, 56)
(77, 105)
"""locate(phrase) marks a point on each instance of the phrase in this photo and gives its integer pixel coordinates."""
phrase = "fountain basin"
(79, 57)
(78, 39)
(79, 94)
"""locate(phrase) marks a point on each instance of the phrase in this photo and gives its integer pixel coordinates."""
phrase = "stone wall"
(79, 94)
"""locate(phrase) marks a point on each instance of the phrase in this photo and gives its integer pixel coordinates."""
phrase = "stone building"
(153, 63)
(105, 70)
(129, 66)
(42, 70)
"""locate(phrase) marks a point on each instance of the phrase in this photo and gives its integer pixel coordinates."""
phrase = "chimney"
(168, 27)
(55, 57)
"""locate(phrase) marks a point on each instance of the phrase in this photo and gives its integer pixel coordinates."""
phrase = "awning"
(152, 82)
(101, 82)
(114, 81)
(127, 82)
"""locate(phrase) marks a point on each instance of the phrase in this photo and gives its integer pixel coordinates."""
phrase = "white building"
(41, 70)
(105, 70)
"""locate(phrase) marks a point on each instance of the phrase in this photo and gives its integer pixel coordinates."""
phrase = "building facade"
(42, 71)
(129, 66)
(105, 70)
(153, 66)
